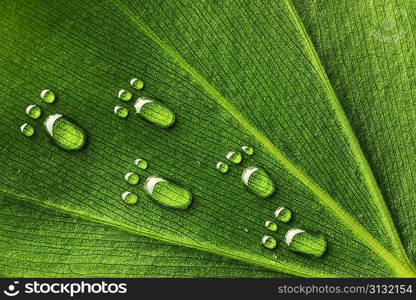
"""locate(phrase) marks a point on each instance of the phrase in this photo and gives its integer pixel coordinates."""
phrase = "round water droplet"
(131, 178)
(124, 95)
(222, 167)
(65, 133)
(137, 83)
(120, 111)
(301, 241)
(269, 242)
(33, 111)
(258, 181)
(167, 193)
(154, 112)
(247, 150)
(270, 225)
(283, 214)
(234, 157)
(47, 96)
(27, 129)
(141, 163)
(129, 198)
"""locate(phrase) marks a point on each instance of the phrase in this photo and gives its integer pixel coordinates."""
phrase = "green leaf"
(234, 73)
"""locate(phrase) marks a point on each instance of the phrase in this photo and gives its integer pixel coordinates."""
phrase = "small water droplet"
(129, 198)
(270, 225)
(120, 111)
(245, 229)
(234, 157)
(137, 83)
(167, 193)
(222, 167)
(154, 112)
(65, 133)
(141, 163)
(283, 214)
(269, 242)
(48, 96)
(258, 181)
(131, 178)
(124, 95)
(301, 241)
(33, 111)
(247, 150)
(27, 129)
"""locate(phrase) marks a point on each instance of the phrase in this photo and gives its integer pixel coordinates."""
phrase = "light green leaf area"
(322, 96)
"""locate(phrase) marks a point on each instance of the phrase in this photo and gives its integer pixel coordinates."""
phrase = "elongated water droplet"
(154, 112)
(27, 129)
(136, 83)
(222, 167)
(141, 163)
(258, 181)
(283, 214)
(270, 225)
(131, 178)
(124, 95)
(269, 242)
(247, 150)
(301, 241)
(234, 157)
(129, 198)
(167, 193)
(65, 133)
(47, 96)
(120, 111)
(33, 111)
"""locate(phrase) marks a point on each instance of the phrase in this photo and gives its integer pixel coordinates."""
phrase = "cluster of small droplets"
(234, 157)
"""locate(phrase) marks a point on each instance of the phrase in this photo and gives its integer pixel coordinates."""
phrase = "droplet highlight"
(65, 133)
(258, 182)
(141, 163)
(48, 96)
(137, 83)
(131, 178)
(234, 157)
(124, 95)
(33, 111)
(270, 225)
(120, 111)
(269, 242)
(222, 167)
(300, 241)
(167, 193)
(247, 150)
(283, 214)
(27, 129)
(154, 112)
(129, 198)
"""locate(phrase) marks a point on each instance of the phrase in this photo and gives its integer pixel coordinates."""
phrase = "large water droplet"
(124, 95)
(137, 83)
(27, 129)
(65, 133)
(154, 112)
(47, 96)
(120, 111)
(129, 198)
(33, 111)
(283, 214)
(270, 225)
(131, 178)
(247, 150)
(234, 157)
(301, 241)
(167, 193)
(141, 163)
(258, 181)
(222, 167)
(269, 242)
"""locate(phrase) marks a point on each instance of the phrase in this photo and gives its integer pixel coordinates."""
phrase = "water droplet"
(47, 96)
(27, 129)
(120, 111)
(137, 83)
(141, 163)
(65, 133)
(222, 167)
(33, 111)
(129, 198)
(131, 178)
(167, 193)
(283, 214)
(301, 241)
(234, 157)
(247, 150)
(154, 112)
(270, 225)
(245, 229)
(258, 181)
(269, 242)
(124, 95)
